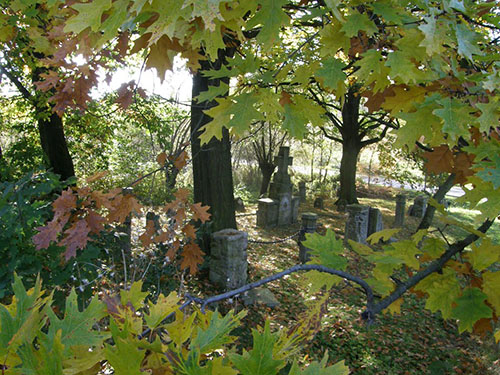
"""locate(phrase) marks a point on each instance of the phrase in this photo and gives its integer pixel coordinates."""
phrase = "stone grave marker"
(375, 223)
(308, 226)
(399, 218)
(281, 208)
(228, 258)
(302, 191)
(356, 226)
(417, 209)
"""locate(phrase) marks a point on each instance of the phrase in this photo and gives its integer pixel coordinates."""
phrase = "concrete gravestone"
(228, 258)
(356, 226)
(281, 208)
(375, 223)
(418, 207)
(400, 210)
(302, 191)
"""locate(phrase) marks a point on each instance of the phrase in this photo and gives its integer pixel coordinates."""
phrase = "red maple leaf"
(200, 212)
(76, 237)
(192, 257)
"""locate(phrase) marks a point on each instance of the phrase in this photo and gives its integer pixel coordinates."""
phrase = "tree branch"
(434, 266)
(15, 80)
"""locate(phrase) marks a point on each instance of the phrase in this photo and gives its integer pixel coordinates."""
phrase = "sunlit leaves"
(470, 308)
(326, 250)
(491, 287)
(331, 73)
(89, 15)
(484, 255)
(270, 18)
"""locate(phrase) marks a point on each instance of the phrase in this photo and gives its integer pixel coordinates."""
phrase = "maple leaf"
(133, 296)
(395, 307)
(95, 221)
(384, 235)
(404, 98)
(213, 92)
(491, 171)
(200, 212)
(470, 308)
(491, 286)
(456, 117)
(192, 256)
(161, 158)
(146, 237)
(220, 115)
(122, 207)
(439, 160)
(331, 73)
(462, 164)
(161, 56)
(75, 238)
(163, 307)
(467, 41)
(271, 17)
(190, 231)
(489, 115)
(89, 15)
(65, 202)
(96, 176)
(333, 39)
(181, 161)
(358, 22)
(182, 194)
(326, 250)
(125, 94)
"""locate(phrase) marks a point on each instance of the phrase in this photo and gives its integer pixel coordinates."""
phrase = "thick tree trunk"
(348, 165)
(351, 146)
(267, 170)
(55, 147)
(426, 221)
(212, 174)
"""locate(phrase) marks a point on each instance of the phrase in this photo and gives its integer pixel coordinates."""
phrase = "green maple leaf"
(371, 69)
(407, 252)
(47, 360)
(220, 115)
(260, 359)
(89, 15)
(213, 92)
(434, 247)
(332, 39)
(385, 235)
(326, 250)
(295, 121)
(315, 281)
(489, 115)
(134, 296)
(124, 356)
(490, 171)
(22, 325)
(358, 22)
(271, 18)
(443, 289)
(456, 117)
(470, 308)
(484, 255)
(387, 10)
(434, 36)
(320, 368)
(331, 72)
(402, 67)
(243, 113)
(491, 286)
(161, 309)
(208, 10)
(467, 41)
(76, 326)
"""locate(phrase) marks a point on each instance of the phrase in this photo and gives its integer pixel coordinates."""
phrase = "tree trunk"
(54, 145)
(267, 170)
(351, 146)
(212, 174)
(348, 165)
(426, 221)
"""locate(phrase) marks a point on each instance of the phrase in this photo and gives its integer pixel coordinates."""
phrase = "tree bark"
(212, 173)
(267, 170)
(426, 221)
(351, 146)
(54, 145)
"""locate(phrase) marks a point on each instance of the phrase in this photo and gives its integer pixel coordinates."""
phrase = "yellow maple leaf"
(395, 307)
(404, 99)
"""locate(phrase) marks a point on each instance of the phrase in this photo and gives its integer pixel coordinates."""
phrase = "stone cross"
(283, 160)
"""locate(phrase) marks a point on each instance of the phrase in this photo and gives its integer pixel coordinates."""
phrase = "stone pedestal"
(302, 191)
(309, 224)
(228, 258)
(356, 227)
(399, 218)
(281, 208)
(375, 223)
(419, 206)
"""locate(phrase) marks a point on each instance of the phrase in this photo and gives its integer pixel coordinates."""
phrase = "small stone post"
(308, 226)
(302, 191)
(228, 258)
(375, 223)
(356, 226)
(400, 210)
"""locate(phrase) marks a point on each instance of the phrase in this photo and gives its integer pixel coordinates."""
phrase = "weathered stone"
(375, 223)
(281, 208)
(260, 295)
(302, 191)
(399, 218)
(356, 227)
(419, 206)
(228, 258)
(319, 203)
(309, 223)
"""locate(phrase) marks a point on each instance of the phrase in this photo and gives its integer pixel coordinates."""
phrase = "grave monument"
(280, 208)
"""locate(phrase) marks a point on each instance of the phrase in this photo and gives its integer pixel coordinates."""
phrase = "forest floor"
(413, 342)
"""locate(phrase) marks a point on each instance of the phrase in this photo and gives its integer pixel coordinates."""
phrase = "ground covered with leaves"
(413, 341)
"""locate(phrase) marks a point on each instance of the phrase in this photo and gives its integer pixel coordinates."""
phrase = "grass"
(413, 342)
